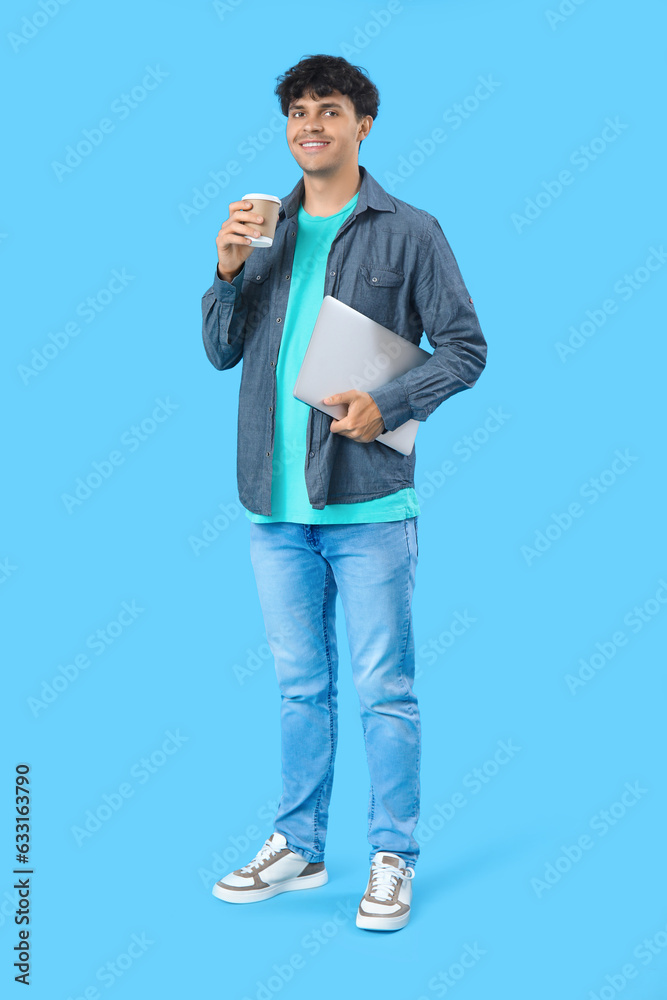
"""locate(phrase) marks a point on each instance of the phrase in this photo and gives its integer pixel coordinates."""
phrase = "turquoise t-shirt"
(289, 496)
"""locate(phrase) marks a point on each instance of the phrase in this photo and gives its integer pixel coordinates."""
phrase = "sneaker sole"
(370, 923)
(256, 895)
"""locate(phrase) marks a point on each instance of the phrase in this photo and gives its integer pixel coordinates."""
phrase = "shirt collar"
(371, 195)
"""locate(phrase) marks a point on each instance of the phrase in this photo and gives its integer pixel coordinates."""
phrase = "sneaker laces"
(267, 851)
(384, 878)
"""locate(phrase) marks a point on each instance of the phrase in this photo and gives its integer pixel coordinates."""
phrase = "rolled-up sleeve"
(447, 315)
(223, 321)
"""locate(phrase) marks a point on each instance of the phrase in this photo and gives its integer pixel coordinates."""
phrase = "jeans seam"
(413, 711)
(371, 801)
(406, 613)
(325, 632)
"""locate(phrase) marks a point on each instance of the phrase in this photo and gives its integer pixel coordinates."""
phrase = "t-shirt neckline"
(326, 218)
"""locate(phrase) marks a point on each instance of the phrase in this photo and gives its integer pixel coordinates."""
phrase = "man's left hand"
(363, 421)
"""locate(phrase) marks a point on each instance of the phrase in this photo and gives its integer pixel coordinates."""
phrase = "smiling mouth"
(314, 144)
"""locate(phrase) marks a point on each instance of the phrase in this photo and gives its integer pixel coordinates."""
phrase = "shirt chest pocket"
(255, 276)
(256, 287)
(381, 289)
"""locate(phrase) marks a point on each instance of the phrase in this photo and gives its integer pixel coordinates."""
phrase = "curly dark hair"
(319, 75)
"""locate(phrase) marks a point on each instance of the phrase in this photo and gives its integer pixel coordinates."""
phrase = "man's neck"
(327, 195)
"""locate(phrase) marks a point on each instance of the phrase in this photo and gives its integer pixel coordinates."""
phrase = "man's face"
(329, 122)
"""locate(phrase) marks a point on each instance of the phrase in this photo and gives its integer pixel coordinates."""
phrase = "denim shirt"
(390, 261)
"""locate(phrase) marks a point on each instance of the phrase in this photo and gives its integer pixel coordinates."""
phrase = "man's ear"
(365, 126)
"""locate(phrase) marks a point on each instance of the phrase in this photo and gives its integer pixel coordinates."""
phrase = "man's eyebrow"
(324, 104)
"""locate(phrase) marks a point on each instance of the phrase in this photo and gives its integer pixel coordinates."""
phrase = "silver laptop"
(348, 350)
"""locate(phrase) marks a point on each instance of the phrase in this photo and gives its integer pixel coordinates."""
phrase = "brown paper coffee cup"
(268, 206)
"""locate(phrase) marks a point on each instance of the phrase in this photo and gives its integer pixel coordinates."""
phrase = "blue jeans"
(299, 569)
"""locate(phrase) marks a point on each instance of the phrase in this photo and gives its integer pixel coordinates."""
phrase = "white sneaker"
(385, 905)
(281, 870)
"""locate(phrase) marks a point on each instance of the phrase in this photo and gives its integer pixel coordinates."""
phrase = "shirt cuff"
(225, 290)
(393, 404)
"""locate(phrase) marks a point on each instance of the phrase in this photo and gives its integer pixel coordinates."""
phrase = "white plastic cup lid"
(263, 197)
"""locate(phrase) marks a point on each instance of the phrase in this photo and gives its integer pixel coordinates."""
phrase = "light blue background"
(177, 667)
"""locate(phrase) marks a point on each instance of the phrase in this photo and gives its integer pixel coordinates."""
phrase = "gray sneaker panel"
(312, 868)
(256, 884)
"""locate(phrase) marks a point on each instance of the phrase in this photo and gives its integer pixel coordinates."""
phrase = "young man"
(332, 510)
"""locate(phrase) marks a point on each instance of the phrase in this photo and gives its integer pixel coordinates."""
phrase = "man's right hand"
(233, 239)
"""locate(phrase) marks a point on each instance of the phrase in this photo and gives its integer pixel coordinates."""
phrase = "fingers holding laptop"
(363, 421)
(233, 240)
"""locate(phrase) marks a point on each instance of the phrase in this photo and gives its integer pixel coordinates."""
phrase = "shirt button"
(272, 363)
(311, 454)
(293, 233)
(278, 320)
(332, 273)
(268, 453)
(258, 277)
(287, 277)
(373, 279)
